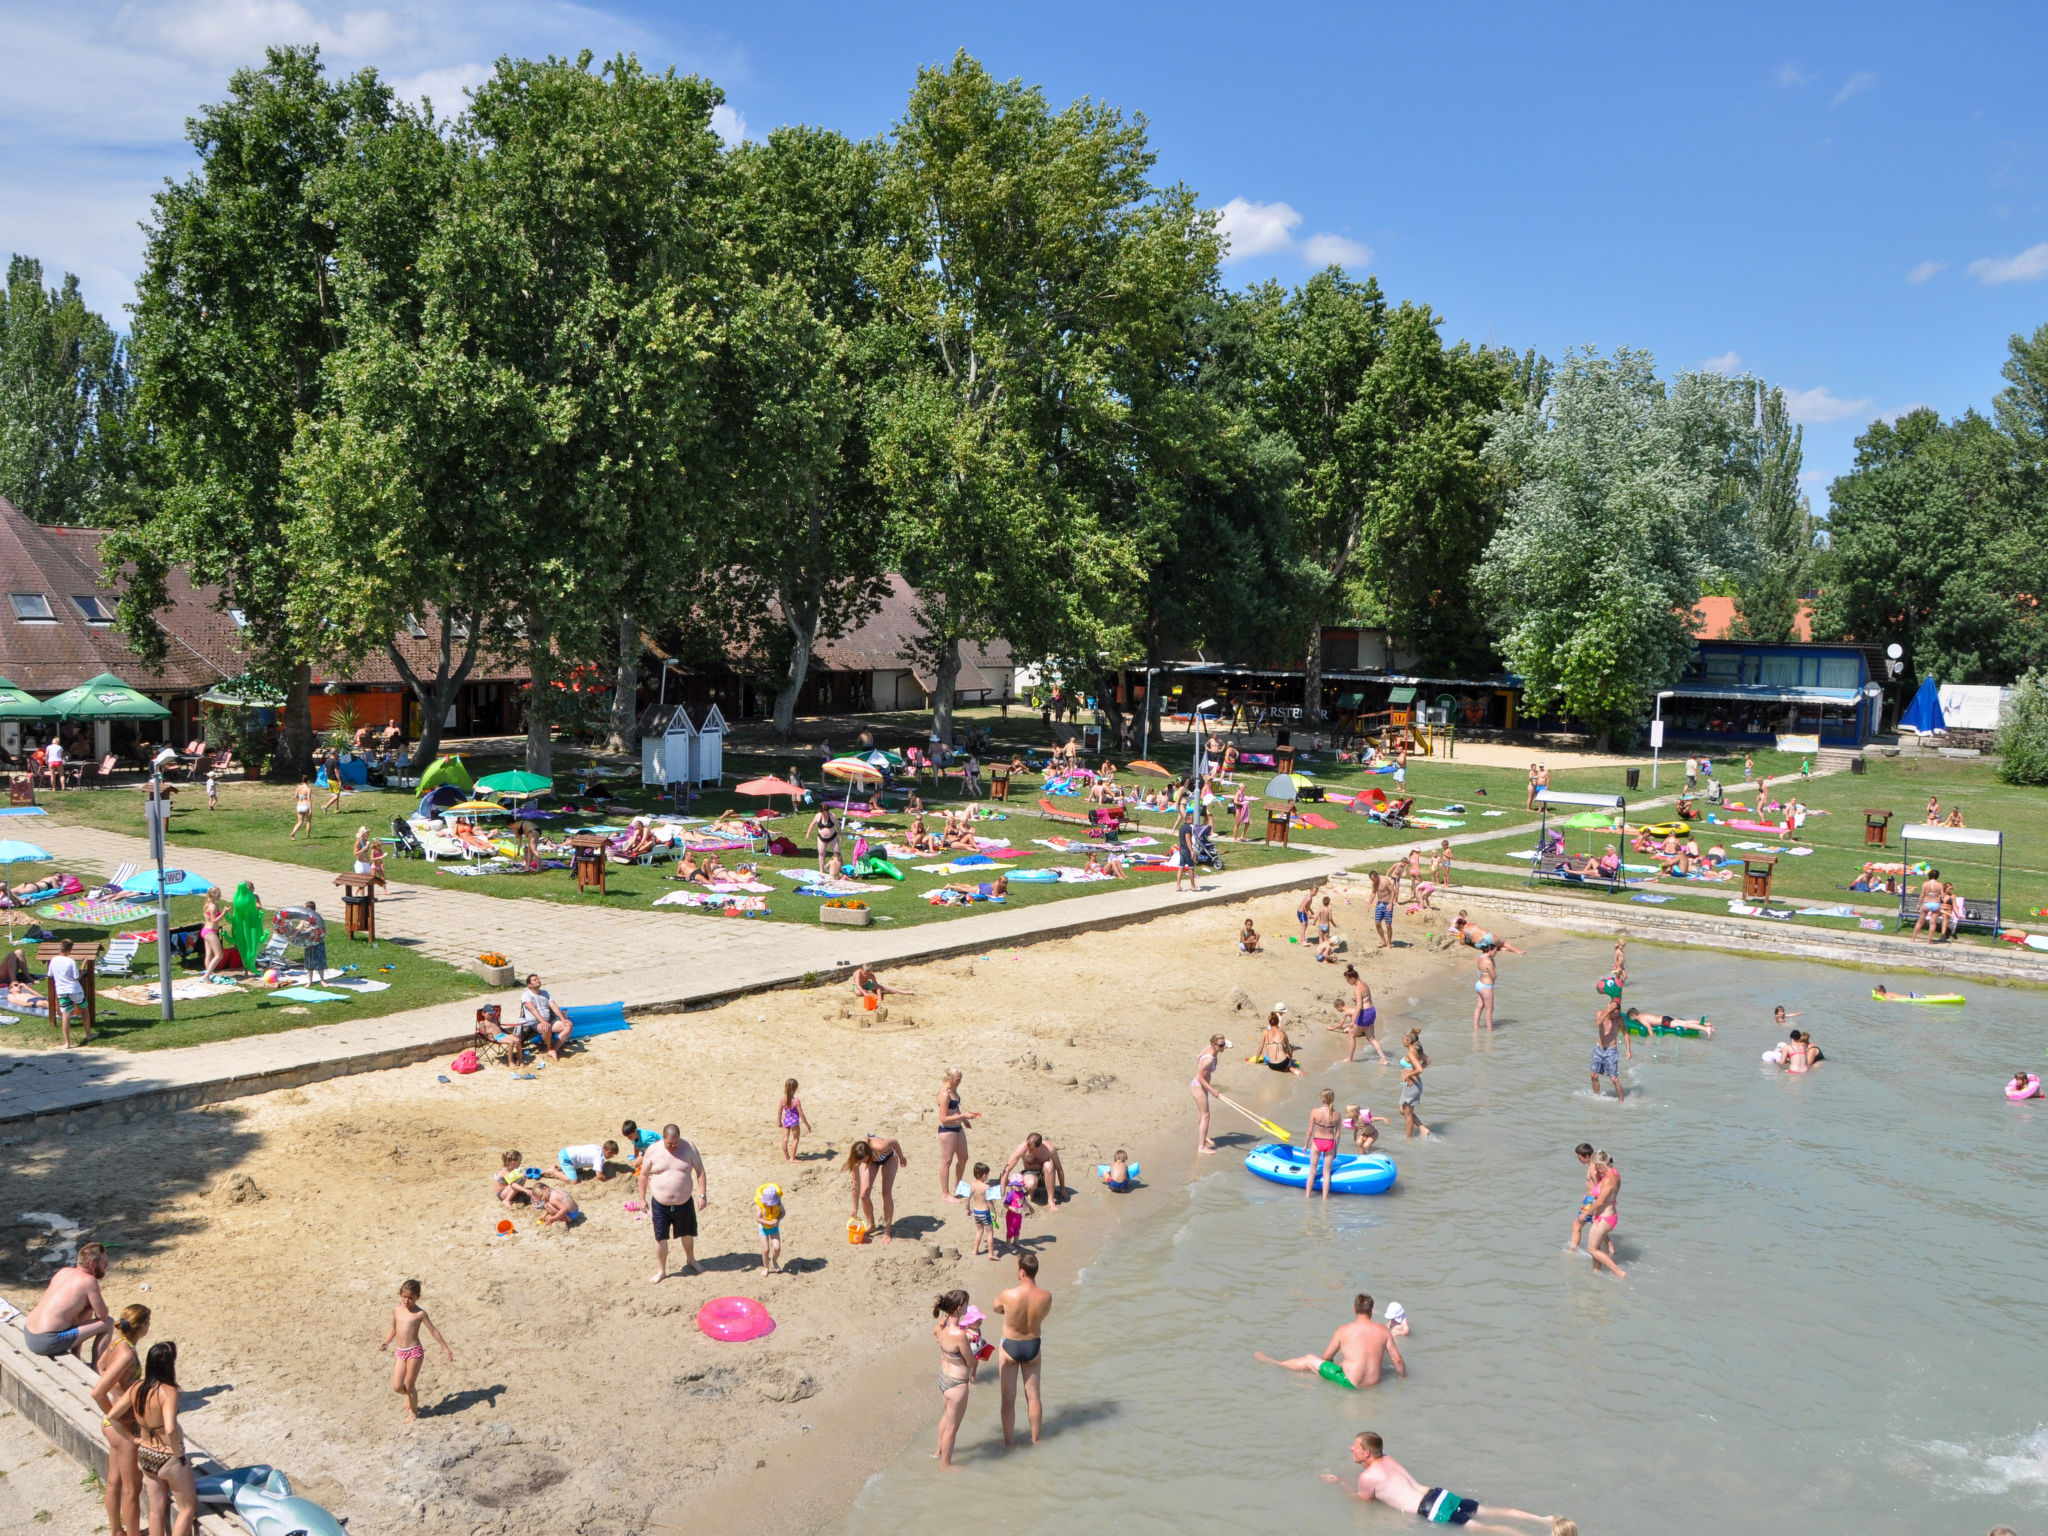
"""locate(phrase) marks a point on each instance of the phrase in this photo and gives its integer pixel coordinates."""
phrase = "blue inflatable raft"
(1372, 1174)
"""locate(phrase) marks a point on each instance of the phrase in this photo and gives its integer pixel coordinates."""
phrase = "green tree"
(2023, 731)
(65, 394)
(235, 313)
(1781, 524)
(1626, 499)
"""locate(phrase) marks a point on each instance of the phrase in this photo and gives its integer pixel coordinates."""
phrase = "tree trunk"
(297, 742)
(626, 696)
(1312, 683)
(803, 634)
(540, 703)
(942, 692)
(435, 697)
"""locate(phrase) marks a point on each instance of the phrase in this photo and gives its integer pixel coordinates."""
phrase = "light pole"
(159, 817)
(1657, 734)
(1145, 747)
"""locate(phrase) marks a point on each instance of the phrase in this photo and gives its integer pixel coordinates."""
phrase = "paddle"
(1277, 1132)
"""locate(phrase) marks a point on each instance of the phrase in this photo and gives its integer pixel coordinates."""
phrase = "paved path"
(654, 962)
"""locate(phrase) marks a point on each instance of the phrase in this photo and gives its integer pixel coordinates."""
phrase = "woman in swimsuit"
(1322, 1141)
(1606, 1212)
(953, 1122)
(153, 1404)
(873, 1160)
(1482, 1005)
(825, 832)
(1805, 1055)
(211, 916)
(1200, 1086)
(1275, 1049)
(1363, 1016)
(121, 1369)
(957, 1362)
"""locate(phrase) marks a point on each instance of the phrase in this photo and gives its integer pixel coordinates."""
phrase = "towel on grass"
(310, 995)
(1871, 924)
(1645, 896)
(1827, 911)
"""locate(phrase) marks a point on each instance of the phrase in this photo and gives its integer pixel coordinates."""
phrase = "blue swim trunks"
(1607, 1061)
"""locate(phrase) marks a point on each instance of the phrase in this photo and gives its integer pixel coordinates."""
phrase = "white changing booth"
(707, 761)
(668, 749)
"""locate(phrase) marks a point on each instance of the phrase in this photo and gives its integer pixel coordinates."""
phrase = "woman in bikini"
(1203, 1090)
(1275, 1049)
(121, 1369)
(953, 1123)
(153, 1404)
(1322, 1141)
(874, 1160)
(1363, 1017)
(957, 1362)
(1606, 1212)
(212, 915)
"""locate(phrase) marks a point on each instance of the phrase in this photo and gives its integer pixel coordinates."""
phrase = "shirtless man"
(670, 1170)
(1931, 906)
(1607, 1049)
(1383, 1478)
(1022, 1308)
(1033, 1155)
(72, 1309)
(1386, 891)
(1305, 913)
(1353, 1356)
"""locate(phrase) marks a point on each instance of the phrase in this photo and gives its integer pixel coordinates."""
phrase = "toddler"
(1118, 1174)
(768, 1216)
(981, 1207)
(1248, 941)
(213, 791)
(1364, 1134)
(1015, 1202)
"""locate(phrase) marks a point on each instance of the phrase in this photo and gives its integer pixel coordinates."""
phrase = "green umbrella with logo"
(106, 697)
(17, 705)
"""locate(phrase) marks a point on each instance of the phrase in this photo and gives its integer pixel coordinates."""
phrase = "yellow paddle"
(1277, 1132)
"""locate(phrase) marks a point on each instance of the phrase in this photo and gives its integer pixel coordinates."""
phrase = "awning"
(1843, 696)
(1983, 837)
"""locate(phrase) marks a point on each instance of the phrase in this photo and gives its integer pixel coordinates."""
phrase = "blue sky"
(1851, 201)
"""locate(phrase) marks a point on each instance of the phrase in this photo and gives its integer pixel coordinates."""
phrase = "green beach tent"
(447, 770)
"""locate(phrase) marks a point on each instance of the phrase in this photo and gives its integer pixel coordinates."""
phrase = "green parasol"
(517, 782)
(106, 697)
(17, 705)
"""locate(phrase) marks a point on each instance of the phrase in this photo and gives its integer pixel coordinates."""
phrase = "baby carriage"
(1207, 854)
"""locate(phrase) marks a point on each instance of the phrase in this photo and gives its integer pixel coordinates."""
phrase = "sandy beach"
(272, 1232)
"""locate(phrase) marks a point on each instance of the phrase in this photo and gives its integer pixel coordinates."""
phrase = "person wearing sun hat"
(768, 1216)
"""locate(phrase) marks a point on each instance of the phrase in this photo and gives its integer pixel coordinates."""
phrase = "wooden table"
(1756, 875)
(1874, 823)
(590, 850)
(359, 904)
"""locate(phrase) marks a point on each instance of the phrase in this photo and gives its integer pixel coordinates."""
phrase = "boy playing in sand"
(576, 1161)
(1118, 1174)
(1248, 940)
(637, 1141)
(557, 1206)
(407, 1318)
(768, 1217)
(983, 1212)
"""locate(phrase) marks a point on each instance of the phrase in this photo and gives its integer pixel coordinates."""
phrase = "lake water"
(1830, 1322)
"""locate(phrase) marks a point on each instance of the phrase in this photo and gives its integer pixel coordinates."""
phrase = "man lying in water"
(1664, 1024)
(1385, 1479)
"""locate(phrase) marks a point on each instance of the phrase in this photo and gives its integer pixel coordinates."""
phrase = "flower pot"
(846, 917)
(496, 975)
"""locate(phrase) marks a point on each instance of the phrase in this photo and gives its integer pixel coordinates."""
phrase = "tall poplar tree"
(65, 394)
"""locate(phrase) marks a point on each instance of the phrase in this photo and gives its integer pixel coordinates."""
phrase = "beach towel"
(1647, 897)
(23, 810)
(185, 989)
(1827, 911)
(1311, 819)
(597, 1018)
(310, 995)
(105, 914)
(1036, 876)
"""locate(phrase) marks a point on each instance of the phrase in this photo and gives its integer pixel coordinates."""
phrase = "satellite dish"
(1894, 651)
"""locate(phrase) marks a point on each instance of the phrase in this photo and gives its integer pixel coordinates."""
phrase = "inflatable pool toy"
(1668, 829)
(1607, 986)
(1372, 1174)
(263, 1498)
(2032, 1090)
(1641, 1031)
(1879, 994)
(734, 1319)
(1776, 1054)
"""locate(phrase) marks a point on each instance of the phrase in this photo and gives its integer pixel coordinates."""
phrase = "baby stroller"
(403, 840)
(1207, 854)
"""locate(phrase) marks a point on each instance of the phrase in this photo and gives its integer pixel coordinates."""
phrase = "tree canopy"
(67, 452)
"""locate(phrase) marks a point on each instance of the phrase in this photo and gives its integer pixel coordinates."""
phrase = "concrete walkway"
(655, 962)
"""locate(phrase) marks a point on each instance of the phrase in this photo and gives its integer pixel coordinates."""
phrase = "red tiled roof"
(883, 643)
(1714, 617)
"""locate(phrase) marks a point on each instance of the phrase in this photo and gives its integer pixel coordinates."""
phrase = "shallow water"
(1828, 1323)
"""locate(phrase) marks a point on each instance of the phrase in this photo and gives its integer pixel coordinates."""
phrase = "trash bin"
(1635, 778)
(1857, 764)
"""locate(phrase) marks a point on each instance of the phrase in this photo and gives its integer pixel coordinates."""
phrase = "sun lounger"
(1054, 813)
(436, 843)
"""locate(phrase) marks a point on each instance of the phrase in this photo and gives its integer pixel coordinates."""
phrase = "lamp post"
(159, 816)
(1145, 748)
(1657, 735)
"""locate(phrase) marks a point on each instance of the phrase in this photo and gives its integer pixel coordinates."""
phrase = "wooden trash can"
(1278, 823)
(1756, 876)
(1874, 823)
(999, 782)
(21, 789)
(1283, 759)
(590, 851)
(358, 905)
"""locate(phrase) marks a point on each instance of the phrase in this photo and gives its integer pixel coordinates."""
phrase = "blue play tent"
(1924, 713)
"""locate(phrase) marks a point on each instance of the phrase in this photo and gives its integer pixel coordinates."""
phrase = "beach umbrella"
(1591, 819)
(17, 705)
(517, 782)
(13, 852)
(1156, 770)
(1280, 787)
(106, 697)
(768, 786)
(854, 771)
(479, 808)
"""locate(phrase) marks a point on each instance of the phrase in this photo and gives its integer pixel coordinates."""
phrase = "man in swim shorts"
(72, 1309)
(1044, 1174)
(1022, 1308)
(670, 1170)
(1386, 890)
(1607, 1049)
(1385, 1479)
(1352, 1358)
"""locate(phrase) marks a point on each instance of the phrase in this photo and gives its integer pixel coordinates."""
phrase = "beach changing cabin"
(668, 748)
(707, 762)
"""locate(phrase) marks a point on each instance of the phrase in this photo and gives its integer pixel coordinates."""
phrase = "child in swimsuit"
(1015, 1202)
(983, 1212)
(510, 1182)
(789, 1114)
(1364, 1134)
(1118, 1175)
(407, 1319)
(768, 1217)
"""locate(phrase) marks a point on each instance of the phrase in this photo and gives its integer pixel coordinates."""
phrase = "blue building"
(1740, 692)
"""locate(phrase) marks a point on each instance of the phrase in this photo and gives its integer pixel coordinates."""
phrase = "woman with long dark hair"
(153, 1404)
(121, 1369)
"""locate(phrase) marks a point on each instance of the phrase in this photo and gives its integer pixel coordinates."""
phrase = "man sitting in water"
(1353, 1356)
(1383, 1478)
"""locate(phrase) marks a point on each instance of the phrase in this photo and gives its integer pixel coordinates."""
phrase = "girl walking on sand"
(407, 1319)
(789, 1114)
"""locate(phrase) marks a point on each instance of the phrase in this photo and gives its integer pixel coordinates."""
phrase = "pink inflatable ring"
(2032, 1089)
(734, 1319)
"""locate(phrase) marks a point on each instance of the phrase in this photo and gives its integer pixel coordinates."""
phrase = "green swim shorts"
(1333, 1373)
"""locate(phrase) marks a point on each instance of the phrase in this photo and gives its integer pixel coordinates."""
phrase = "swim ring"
(734, 1319)
(2032, 1090)
(1372, 1174)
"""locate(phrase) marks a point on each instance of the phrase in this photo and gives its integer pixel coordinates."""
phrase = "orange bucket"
(870, 1002)
(504, 1226)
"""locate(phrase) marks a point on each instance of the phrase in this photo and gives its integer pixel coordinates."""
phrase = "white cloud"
(223, 32)
(1790, 74)
(1855, 85)
(1817, 405)
(1925, 270)
(447, 88)
(1335, 251)
(728, 124)
(1256, 229)
(2030, 266)
(1727, 362)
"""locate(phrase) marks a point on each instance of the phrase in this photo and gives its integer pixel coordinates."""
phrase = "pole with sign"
(159, 810)
(1657, 736)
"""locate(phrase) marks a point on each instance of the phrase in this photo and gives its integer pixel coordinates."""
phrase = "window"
(1840, 672)
(31, 607)
(1723, 667)
(241, 619)
(97, 610)
(1781, 671)
(414, 627)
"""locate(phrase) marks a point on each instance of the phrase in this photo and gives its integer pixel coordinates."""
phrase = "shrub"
(2023, 732)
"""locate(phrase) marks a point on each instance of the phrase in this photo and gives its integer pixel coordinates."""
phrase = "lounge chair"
(494, 1041)
(119, 960)
(1054, 813)
(436, 844)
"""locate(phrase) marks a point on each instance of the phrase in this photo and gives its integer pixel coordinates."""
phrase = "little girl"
(511, 1180)
(1364, 1134)
(1015, 1204)
(789, 1114)
(407, 1318)
(768, 1216)
(983, 1212)
(213, 791)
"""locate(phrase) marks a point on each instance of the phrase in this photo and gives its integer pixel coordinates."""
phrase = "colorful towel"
(310, 995)
(107, 914)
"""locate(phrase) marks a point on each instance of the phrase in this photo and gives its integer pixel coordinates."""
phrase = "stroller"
(408, 846)
(1207, 854)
